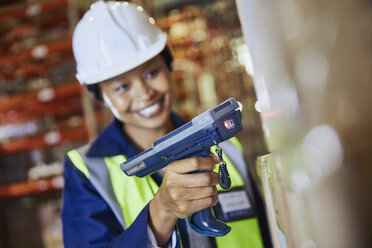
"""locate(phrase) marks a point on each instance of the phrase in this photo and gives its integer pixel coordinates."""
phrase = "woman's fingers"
(188, 194)
(215, 158)
(184, 209)
(188, 165)
(201, 179)
(183, 192)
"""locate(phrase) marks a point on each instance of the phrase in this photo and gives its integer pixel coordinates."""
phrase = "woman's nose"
(143, 90)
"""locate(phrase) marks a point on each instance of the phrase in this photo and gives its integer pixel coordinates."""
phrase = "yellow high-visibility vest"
(127, 196)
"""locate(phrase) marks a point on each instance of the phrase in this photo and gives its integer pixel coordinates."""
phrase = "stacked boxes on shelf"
(212, 63)
(41, 117)
(37, 66)
(40, 99)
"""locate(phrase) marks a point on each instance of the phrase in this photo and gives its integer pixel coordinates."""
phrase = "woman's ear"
(96, 91)
(86, 91)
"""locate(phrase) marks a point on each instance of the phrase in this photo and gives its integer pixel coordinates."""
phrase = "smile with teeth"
(150, 111)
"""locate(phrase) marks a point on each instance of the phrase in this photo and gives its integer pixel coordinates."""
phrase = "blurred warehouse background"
(307, 140)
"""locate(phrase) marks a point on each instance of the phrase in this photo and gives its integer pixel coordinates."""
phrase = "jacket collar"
(112, 141)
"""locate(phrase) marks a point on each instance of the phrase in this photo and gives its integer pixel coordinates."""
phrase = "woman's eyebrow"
(153, 61)
(119, 77)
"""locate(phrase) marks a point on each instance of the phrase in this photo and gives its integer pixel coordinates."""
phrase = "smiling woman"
(122, 57)
(141, 98)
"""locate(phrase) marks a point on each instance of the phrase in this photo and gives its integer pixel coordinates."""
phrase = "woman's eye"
(122, 87)
(152, 74)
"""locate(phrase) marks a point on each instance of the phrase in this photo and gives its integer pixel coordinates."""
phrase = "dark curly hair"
(95, 89)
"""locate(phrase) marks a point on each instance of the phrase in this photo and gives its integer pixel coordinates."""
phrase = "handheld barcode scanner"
(194, 139)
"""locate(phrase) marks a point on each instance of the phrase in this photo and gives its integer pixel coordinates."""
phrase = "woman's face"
(141, 98)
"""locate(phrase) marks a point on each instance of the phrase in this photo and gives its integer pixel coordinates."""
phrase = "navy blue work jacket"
(87, 219)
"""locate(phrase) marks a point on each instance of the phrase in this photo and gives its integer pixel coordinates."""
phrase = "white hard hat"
(113, 38)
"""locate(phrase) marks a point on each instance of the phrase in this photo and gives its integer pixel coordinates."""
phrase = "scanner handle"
(204, 222)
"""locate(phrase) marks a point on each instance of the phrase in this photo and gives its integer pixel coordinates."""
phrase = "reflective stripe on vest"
(132, 193)
(127, 196)
(98, 175)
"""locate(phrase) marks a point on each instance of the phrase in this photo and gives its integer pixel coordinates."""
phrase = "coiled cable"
(223, 173)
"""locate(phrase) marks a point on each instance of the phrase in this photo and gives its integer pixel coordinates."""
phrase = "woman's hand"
(182, 194)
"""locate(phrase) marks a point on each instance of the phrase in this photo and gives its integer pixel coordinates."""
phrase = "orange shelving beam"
(32, 68)
(43, 141)
(40, 51)
(32, 27)
(46, 140)
(31, 187)
(60, 108)
(32, 10)
(52, 138)
(43, 96)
